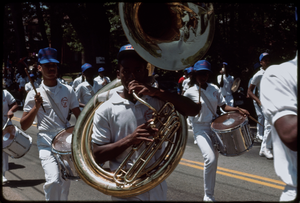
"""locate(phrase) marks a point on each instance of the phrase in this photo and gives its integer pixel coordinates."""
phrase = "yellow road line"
(18, 119)
(240, 173)
(237, 176)
(182, 162)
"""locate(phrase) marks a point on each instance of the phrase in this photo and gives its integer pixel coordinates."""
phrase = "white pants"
(159, 193)
(288, 194)
(260, 119)
(267, 138)
(202, 134)
(55, 188)
(4, 162)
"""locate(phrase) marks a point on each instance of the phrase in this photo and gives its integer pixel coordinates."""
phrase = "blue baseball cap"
(189, 69)
(262, 56)
(202, 65)
(126, 50)
(31, 75)
(100, 70)
(85, 66)
(47, 55)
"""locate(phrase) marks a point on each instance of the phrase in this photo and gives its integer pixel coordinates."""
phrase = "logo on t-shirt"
(215, 94)
(64, 102)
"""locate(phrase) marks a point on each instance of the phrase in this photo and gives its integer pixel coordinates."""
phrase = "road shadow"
(12, 166)
(23, 183)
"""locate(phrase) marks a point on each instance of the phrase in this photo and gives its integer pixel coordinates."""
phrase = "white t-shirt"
(227, 84)
(257, 78)
(84, 91)
(29, 87)
(118, 117)
(76, 82)
(65, 99)
(7, 99)
(101, 80)
(279, 95)
(21, 82)
(215, 97)
(185, 85)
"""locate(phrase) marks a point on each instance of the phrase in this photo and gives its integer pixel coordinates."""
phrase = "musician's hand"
(38, 100)
(10, 114)
(142, 133)
(141, 88)
(244, 112)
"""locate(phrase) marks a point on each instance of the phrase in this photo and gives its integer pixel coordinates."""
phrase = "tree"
(20, 47)
(92, 28)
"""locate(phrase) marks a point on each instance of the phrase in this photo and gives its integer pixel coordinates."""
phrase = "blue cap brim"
(48, 61)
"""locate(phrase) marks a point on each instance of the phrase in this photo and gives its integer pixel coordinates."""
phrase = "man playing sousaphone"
(57, 99)
(122, 121)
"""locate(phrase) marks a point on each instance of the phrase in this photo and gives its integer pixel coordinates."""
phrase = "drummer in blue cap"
(209, 97)
(101, 78)
(57, 99)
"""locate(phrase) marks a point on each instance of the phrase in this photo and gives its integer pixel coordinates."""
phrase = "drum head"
(63, 140)
(8, 135)
(228, 121)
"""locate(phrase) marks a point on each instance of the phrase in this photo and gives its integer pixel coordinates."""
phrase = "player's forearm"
(103, 153)
(287, 129)
(28, 118)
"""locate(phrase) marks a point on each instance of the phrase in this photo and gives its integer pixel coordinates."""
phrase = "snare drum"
(16, 143)
(232, 134)
(61, 147)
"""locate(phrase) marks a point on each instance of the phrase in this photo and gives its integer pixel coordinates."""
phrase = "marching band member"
(209, 97)
(266, 145)
(122, 121)
(225, 82)
(87, 89)
(9, 107)
(279, 95)
(101, 78)
(28, 85)
(56, 99)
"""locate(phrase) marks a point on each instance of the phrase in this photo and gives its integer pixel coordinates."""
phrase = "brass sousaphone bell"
(171, 36)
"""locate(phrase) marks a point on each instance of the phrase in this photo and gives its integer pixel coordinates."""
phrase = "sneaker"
(34, 123)
(4, 180)
(208, 199)
(266, 152)
(195, 141)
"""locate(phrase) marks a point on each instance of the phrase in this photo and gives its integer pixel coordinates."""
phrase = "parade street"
(247, 177)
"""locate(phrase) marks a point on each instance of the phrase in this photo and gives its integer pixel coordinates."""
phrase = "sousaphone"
(171, 36)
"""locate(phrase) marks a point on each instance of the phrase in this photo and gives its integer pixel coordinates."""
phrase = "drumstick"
(199, 96)
(249, 116)
(33, 85)
(6, 123)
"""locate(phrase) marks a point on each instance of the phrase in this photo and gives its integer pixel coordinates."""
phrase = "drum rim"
(12, 139)
(229, 129)
(52, 144)
(30, 139)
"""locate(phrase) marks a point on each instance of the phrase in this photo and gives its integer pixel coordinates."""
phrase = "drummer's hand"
(243, 112)
(10, 114)
(38, 100)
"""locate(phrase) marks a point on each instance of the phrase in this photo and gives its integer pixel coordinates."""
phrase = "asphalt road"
(247, 177)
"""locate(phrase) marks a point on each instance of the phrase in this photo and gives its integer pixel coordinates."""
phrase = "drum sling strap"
(208, 104)
(54, 106)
